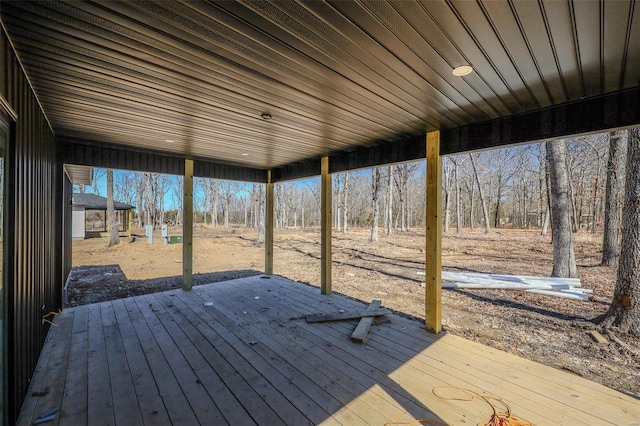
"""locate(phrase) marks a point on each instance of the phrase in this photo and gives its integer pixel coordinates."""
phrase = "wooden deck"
(167, 358)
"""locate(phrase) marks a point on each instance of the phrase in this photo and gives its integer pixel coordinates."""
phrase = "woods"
(501, 188)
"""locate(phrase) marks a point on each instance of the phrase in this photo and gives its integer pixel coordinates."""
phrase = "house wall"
(34, 213)
(78, 223)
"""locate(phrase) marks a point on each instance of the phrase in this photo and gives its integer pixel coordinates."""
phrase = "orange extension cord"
(499, 418)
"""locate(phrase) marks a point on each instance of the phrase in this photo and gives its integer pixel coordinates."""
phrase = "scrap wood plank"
(339, 316)
(599, 338)
(362, 330)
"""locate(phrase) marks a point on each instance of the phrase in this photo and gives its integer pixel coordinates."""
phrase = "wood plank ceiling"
(193, 78)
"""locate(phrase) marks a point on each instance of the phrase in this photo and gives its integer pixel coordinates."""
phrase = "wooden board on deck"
(361, 332)
(346, 315)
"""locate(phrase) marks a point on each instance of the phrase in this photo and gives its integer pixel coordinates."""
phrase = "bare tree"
(485, 212)
(610, 246)
(177, 195)
(447, 188)
(564, 262)
(97, 175)
(456, 164)
(345, 202)
(227, 194)
(389, 206)
(124, 187)
(260, 203)
(402, 176)
(624, 311)
(111, 211)
(375, 196)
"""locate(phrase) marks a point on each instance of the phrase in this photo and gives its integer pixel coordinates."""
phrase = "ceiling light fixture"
(244, 154)
(266, 116)
(462, 70)
(169, 140)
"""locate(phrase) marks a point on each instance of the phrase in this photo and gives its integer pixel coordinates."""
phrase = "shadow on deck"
(166, 358)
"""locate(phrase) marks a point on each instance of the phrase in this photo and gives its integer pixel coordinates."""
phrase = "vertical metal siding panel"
(33, 262)
(121, 160)
(113, 159)
(3, 65)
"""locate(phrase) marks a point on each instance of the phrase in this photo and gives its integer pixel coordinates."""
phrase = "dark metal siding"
(596, 114)
(34, 261)
(148, 161)
(407, 148)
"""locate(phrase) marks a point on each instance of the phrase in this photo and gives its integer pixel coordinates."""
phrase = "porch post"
(268, 227)
(187, 227)
(433, 283)
(325, 227)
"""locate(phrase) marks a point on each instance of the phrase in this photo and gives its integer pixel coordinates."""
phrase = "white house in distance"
(90, 216)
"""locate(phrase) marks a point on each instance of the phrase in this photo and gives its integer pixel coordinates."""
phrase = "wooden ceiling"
(194, 78)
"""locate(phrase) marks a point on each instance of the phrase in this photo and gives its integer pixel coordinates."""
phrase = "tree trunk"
(458, 212)
(485, 212)
(337, 206)
(496, 218)
(260, 213)
(345, 203)
(545, 221)
(389, 201)
(610, 248)
(446, 193)
(564, 262)
(594, 205)
(111, 211)
(624, 311)
(548, 214)
(472, 197)
(375, 187)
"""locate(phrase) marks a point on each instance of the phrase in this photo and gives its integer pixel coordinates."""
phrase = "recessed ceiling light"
(266, 116)
(244, 154)
(169, 140)
(462, 70)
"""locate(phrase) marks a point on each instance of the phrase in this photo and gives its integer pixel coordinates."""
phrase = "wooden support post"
(268, 227)
(325, 227)
(129, 223)
(187, 227)
(433, 280)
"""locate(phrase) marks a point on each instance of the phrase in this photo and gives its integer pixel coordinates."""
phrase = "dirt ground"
(551, 331)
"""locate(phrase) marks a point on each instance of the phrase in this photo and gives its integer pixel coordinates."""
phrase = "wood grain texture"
(165, 358)
(187, 227)
(325, 227)
(433, 251)
(361, 332)
(268, 226)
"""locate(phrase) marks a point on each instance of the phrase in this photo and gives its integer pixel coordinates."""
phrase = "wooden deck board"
(52, 367)
(74, 403)
(125, 407)
(275, 371)
(99, 404)
(141, 352)
(174, 400)
(472, 373)
(334, 338)
(377, 407)
(311, 380)
(553, 389)
(252, 359)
